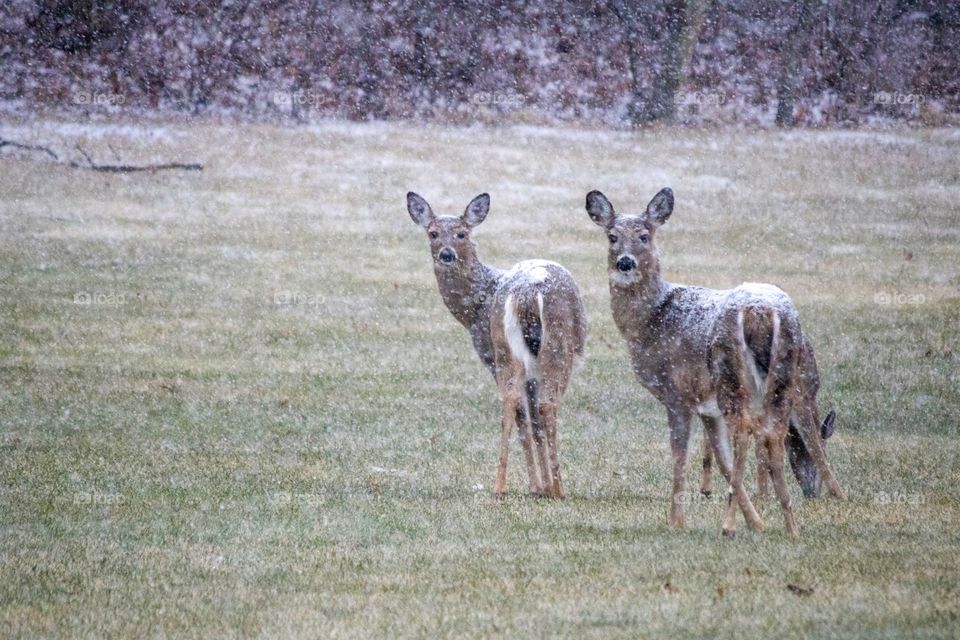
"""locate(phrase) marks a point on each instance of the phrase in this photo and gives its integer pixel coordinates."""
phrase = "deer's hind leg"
(706, 483)
(556, 369)
(524, 429)
(763, 471)
(773, 441)
(741, 426)
(540, 437)
(733, 402)
(547, 408)
(509, 383)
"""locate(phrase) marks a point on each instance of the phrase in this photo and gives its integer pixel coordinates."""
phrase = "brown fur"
(696, 350)
(477, 297)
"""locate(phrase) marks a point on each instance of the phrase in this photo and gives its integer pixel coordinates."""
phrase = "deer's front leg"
(679, 444)
(773, 441)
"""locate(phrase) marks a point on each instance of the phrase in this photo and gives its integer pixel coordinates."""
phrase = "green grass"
(189, 457)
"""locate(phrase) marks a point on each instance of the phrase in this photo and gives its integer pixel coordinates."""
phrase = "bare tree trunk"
(790, 66)
(684, 20)
(696, 15)
(662, 106)
(635, 108)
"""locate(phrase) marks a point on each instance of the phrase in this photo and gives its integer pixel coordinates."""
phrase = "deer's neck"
(466, 289)
(634, 303)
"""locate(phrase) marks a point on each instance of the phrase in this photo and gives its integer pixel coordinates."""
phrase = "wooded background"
(607, 62)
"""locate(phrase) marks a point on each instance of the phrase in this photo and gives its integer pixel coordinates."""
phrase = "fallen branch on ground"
(103, 168)
(28, 147)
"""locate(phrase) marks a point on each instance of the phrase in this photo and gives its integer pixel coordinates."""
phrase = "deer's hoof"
(730, 533)
(706, 493)
(500, 496)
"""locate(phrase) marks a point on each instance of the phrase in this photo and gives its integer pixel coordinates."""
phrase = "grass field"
(232, 403)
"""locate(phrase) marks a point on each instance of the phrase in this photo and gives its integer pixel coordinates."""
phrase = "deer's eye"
(433, 235)
(612, 238)
(461, 235)
(644, 238)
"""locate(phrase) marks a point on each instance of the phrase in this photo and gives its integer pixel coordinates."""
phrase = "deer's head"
(633, 253)
(802, 462)
(449, 236)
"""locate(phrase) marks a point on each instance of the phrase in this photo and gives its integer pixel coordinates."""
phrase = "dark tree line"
(618, 62)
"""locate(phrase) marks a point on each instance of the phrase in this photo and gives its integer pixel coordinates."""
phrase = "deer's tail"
(523, 325)
(767, 344)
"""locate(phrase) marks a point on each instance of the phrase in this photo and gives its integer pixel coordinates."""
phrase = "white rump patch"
(514, 333)
(756, 383)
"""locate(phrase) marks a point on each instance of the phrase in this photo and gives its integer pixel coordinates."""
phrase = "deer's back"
(670, 346)
(562, 308)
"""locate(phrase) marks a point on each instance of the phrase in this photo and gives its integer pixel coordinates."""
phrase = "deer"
(732, 357)
(528, 327)
(805, 469)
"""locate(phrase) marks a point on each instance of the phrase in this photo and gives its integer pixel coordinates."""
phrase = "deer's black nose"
(626, 263)
(447, 256)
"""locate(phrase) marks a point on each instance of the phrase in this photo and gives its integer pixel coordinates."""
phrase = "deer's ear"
(660, 207)
(419, 210)
(600, 209)
(477, 210)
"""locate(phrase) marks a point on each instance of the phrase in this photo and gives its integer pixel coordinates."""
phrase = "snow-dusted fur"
(731, 358)
(527, 325)
(518, 335)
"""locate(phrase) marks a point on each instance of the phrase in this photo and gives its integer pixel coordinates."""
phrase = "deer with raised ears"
(732, 358)
(527, 326)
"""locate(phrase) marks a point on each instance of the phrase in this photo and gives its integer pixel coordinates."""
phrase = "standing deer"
(527, 326)
(732, 357)
(805, 468)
